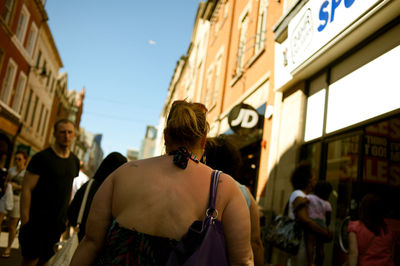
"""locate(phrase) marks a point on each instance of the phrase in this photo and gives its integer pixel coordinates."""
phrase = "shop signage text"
(324, 11)
(318, 22)
(243, 118)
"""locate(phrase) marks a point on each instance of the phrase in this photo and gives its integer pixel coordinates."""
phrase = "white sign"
(318, 22)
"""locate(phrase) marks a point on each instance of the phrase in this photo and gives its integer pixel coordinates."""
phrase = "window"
(48, 79)
(44, 122)
(40, 118)
(7, 10)
(8, 81)
(31, 38)
(28, 105)
(38, 59)
(208, 87)
(217, 81)
(52, 85)
(242, 45)
(261, 27)
(19, 92)
(22, 24)
(34, 111)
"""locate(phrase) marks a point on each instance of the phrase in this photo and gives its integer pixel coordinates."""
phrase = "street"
(15, 258)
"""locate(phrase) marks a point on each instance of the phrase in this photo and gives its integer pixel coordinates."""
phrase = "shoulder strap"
(83, 204)
(213, 190)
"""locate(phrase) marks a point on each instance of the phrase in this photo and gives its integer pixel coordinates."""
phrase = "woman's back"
(372, 250)
(168, 199)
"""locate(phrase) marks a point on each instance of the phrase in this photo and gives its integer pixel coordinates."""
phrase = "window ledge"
(236, 78)
(255, 57)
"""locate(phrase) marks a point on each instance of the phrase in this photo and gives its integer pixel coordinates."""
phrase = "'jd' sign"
(243, 118)
(324, 11)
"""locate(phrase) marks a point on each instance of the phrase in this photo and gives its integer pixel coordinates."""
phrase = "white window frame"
(217, 80)
(19, 92)
(208, 86)
(30, 44)
(261, 27)
(244, 24)
(22, 26)
(8, 81)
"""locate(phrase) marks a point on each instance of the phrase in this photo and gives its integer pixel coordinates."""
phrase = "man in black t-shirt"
(46, 191)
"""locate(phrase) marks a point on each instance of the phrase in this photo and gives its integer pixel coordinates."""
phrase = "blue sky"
(124, 53)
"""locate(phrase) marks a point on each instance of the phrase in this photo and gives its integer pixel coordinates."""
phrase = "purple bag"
(204, 243)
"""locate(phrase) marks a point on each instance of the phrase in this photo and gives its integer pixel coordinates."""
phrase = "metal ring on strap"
(212, 214)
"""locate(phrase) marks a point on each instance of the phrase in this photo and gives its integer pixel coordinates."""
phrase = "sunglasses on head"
(202, 106)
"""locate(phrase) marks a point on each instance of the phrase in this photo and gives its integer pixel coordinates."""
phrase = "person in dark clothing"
(107, 166)
(46, 192)
(220, 153)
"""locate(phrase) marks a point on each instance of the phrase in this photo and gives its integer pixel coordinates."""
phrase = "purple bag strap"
(213, 192)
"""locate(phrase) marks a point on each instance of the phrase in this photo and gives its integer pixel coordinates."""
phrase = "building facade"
(19, 29)
(336, 67)
(38, 99)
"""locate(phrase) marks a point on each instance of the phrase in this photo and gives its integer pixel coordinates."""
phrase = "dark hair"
(301, 175)
(323, 189)
(371, 213)
(109, 165)
(62, 121)
(23, 153)
(186, 124)
(221, 154)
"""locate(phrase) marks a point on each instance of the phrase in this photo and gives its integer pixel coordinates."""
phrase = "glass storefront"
(365, 160)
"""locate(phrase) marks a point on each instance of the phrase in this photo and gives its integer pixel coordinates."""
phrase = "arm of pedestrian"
(236, 223)
(256, 243)
(301, 214)
(28, 184)
(353, 249)
(98, 222)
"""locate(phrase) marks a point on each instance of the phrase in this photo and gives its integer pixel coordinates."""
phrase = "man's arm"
(28, 184)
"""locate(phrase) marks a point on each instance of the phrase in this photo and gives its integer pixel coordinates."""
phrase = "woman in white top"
(14, 177)
(303, 182)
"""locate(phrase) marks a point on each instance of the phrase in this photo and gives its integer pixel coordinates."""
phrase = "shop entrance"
(363, 161)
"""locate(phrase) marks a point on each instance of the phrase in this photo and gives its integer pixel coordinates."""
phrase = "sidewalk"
(15, 258)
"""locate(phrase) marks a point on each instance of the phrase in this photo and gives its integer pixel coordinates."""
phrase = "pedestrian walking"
(14, 178)
(221, 154)
(303, 182)
(319, 210)
(107, 166)
(81, 179)
(371, 241)
(144, 208)
(46, 193)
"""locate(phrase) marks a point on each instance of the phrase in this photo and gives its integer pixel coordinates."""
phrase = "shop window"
(31, 38)
(261, 27)
(7, 11)
(8, 81)
(22, 24)
(19, 92)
